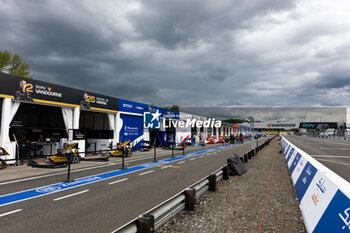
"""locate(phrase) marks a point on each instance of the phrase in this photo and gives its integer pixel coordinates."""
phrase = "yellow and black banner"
(31, 90)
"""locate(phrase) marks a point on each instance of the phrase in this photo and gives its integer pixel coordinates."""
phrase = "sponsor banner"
(286, 149)
(304, 180)
(298, 169)
(336, 218)
(30, 90)
(132, 107)
(294, 163)
(139, 108)
(274, 125)
(170, 114)
(292, 158)
(290, 154)
(316, 199)
(281, 125)
(131, 129)
(154, 109)
(318, 125)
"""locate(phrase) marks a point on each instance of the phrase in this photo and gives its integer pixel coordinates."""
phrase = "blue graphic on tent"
(151, 120)
(132, 130)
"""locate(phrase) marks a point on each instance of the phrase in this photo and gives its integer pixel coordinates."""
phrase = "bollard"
(145, 223)
(250, 155)
(245, 158)
(155, 154)
(225, 173)
(123, 164)
(190, 199)
(69, 158)
(212, 182)
(95, 145)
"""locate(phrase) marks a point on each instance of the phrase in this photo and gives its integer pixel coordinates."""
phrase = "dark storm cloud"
(186, 52)
(183, 22)
(334, 79)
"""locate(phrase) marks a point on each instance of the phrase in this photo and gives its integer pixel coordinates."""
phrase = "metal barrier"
(159, 215)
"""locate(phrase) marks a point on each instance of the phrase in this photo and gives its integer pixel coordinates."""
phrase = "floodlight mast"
(251, 120)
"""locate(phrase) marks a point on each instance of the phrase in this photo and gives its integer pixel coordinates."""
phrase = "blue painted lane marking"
(45, 190)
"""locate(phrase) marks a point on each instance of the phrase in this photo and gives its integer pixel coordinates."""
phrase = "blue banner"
(290, 154)
(336, 218)
(132, 107)
(132, 129)
(295, 163)
(139, 108)
(304, 180)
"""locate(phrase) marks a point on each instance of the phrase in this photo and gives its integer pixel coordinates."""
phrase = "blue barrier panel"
(290, 154)
(304, 180)
(295, 162)
(336, 218)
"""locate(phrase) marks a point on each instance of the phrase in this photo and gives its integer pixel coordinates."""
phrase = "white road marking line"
(71, 195)
(181, 162)
(117, 181)
(331, 156)
(330, 148)
(201, 156)
(11, 212)
(193, 159)
(164, 167)
(55, 174)
(330, 161)
(141, 174)
(81, 169)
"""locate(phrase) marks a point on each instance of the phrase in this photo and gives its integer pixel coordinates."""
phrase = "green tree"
(13, 65)
(173, 107)
(234, 121)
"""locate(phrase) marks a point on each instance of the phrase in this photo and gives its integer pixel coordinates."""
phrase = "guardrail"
(186, 199)
(323, 195)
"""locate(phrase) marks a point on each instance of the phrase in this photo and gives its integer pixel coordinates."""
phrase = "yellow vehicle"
(63, 154)
(122, 149)
(3, 163)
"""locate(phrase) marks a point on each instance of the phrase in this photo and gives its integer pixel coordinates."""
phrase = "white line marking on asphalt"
(81, 169)
(11, 212)
(55, 174)
(71, 195)
(164, 167)
(330, 148)
(141, 174)
(193, 159)
(330, 161)
(331, 156)
(117, 181)
(181, 162)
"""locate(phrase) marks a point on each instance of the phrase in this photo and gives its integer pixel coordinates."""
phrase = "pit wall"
(323, 195)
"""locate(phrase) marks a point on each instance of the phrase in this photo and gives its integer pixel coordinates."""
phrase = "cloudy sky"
(188, 52)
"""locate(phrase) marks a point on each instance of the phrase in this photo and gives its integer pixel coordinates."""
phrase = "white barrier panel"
(323, 195)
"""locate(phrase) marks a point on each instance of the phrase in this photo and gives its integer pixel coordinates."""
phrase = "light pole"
(251, 120)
